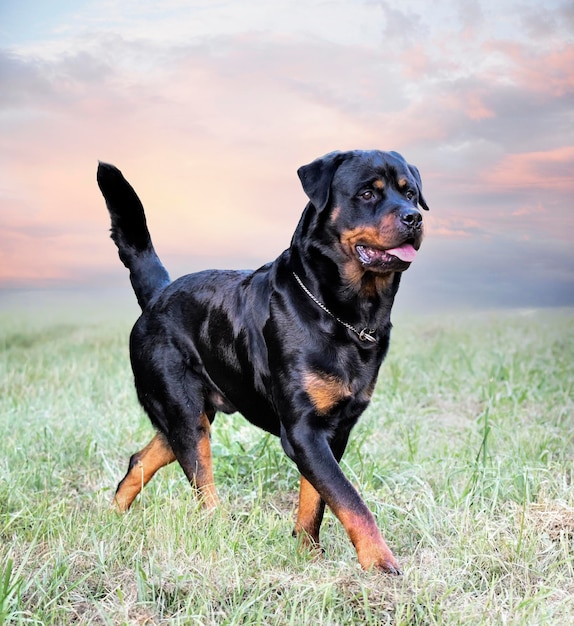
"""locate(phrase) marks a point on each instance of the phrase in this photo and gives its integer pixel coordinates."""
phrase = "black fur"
(257, 343)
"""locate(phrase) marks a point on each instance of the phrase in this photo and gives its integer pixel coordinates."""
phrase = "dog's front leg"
(310, 449)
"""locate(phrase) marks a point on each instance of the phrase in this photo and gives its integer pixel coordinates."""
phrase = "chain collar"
(366, 334)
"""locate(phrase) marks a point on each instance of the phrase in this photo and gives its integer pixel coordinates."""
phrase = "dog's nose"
(411, 218)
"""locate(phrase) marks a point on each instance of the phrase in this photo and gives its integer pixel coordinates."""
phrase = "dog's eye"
(367, 195)
(410, 194)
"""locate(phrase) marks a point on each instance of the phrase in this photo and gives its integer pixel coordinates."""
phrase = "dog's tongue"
(405, 252)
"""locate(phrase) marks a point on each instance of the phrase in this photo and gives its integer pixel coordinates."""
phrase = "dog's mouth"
(391, 258)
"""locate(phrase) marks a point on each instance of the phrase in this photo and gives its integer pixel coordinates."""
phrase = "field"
(466, 457)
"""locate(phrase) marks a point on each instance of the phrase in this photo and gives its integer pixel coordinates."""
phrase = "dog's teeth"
(365, 254)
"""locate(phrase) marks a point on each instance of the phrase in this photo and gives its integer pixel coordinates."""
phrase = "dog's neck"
(361, 304)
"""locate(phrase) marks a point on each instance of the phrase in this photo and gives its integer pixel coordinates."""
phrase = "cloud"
(547, 72)
(550, 170)
(547, 22)
(209, 109)
(499, 272)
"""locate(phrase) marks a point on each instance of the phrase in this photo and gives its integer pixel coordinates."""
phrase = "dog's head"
(365, 209)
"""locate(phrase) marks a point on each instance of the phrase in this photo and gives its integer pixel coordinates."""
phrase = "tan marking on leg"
(372, 550)
(143, 465)
(204, 481)
(325, 390)
(309, 515)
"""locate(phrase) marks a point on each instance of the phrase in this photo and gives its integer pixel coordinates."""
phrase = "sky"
(209, 108)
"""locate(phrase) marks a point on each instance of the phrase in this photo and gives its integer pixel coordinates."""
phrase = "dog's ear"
(415, 172)
(316, 177)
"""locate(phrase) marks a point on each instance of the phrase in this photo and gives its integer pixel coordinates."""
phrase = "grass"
(465, 456)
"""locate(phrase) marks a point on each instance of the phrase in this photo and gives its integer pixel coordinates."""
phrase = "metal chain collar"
(366, 334)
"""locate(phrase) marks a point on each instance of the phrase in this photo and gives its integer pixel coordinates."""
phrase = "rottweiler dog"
(295, 346)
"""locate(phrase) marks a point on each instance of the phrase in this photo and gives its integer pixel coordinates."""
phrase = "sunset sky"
(209, 108)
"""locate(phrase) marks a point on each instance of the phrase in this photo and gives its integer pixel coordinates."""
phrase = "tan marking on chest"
(325, 390)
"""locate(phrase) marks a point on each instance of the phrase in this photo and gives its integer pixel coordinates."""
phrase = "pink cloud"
(475, 108)
(416, 62)
(211, 142)
(551, 170)
(451, 227)
(548, 72)
(527, 210)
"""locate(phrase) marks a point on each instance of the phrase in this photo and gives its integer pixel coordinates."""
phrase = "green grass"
(465, 456)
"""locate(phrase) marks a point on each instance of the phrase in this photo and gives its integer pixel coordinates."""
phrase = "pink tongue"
(405, 252)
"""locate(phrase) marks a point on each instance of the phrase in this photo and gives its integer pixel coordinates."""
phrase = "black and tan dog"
(294, 346)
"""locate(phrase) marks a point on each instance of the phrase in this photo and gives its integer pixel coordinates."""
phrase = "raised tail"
(130, 234)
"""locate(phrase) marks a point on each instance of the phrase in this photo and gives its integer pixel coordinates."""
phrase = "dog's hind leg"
(192, 447)
(143, 465)
(173, 397)
(193, 454)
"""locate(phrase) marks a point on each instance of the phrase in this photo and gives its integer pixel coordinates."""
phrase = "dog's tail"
(130, 234)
